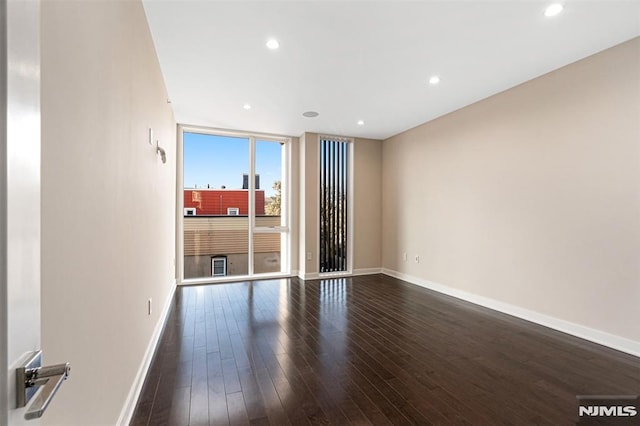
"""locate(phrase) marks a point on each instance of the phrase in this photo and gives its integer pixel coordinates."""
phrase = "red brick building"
(221, 202)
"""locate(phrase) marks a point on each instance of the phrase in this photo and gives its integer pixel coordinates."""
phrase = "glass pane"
(333, 205)
(269, 207)
(267, 252)
(216, 223)
(268, 179)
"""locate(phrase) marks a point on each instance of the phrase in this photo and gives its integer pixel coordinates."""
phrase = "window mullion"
(251, 202)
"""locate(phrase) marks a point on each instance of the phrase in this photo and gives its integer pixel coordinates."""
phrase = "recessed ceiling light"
(310, 114)
(434, 80)
(273, 44)
(360, 122)
(553, 10)
(246, 106)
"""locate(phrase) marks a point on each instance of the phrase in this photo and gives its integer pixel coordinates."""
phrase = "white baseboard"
(134, 393)
(367, 271)
(234, 279)
(328, 276)
(611, 340)
(309, 276)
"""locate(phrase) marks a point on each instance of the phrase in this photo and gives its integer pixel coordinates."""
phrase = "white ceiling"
(364, 60)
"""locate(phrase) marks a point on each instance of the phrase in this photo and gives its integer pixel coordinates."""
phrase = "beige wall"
(367, 236)
(308, 204)
(530, 197)
(108, 202)
(367, 212)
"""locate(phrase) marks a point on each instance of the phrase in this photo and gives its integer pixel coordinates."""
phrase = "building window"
(219, 266)
(233, 211)
(189, 211)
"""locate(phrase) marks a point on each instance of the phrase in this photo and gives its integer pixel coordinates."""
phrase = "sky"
(222, 160)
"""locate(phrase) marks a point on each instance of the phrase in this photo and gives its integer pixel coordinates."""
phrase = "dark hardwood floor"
(365, 350)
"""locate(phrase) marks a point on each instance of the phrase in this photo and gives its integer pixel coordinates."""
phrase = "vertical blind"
(333, 204)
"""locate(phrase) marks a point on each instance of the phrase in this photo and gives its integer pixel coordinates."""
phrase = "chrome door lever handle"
(32, 377)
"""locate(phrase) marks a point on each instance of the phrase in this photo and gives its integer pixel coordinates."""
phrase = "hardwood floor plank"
(237, 410)
(180, 403)
(162, 401)
(230, 376)
(273, 405)
(252, 396)
(199, 407)
(218, 413)
(147, 398)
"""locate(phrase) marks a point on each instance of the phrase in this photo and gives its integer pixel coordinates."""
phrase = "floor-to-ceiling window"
(334, 204)
(234, 205)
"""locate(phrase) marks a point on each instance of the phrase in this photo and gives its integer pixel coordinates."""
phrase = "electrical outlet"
(309, 255)
(404, 256)
(149, 303)
(150, 136)
(417, 258)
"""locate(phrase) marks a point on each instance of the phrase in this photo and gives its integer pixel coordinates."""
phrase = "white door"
(19, 195)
